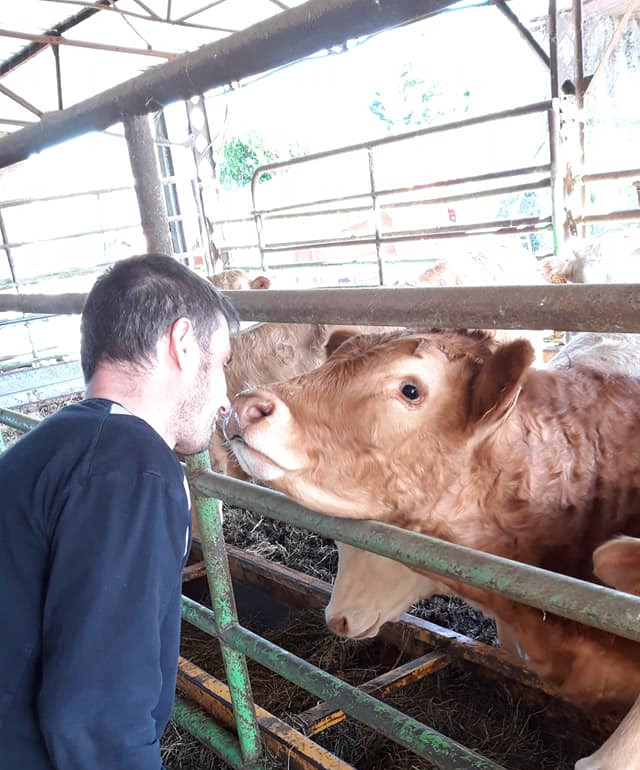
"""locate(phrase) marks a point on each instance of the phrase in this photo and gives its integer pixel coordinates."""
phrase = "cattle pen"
(223, 716)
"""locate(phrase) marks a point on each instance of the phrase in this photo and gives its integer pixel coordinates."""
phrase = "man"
(95, 527)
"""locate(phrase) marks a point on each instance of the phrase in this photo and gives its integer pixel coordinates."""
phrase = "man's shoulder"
(98, 436)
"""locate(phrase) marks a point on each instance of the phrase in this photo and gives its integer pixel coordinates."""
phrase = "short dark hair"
(137, 300)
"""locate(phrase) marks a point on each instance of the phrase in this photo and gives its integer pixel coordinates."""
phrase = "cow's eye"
(410, 391)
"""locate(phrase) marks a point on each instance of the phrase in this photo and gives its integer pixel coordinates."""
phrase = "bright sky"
(324, 102)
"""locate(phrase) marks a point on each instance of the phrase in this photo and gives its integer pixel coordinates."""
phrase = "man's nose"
(224, 408)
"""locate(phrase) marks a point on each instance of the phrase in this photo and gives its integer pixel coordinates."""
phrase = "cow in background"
(491, 265)
(237, 279)
(610, 258)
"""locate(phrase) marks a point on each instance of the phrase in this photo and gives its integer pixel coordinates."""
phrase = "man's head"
(151, 318)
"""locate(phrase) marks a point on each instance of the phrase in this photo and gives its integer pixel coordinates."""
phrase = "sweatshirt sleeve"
(117, 553)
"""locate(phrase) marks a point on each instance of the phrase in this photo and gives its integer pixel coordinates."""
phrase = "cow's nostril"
(258, 410)
(338, 624)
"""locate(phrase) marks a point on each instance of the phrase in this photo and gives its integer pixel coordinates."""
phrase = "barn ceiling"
(55, 53)
(96, 45)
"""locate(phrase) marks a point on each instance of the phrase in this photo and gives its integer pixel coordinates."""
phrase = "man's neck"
(141, 395)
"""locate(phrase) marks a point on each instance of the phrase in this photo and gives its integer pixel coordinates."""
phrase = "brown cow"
(370, 590)
(237, 279)
(265, 353)
(262, 354)
(617, 564)
(453, 435)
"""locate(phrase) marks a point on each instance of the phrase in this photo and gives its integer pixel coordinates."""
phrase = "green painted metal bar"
(584, 602)
(208, 732)
(444, 752)
(17, 420)
(209, 517)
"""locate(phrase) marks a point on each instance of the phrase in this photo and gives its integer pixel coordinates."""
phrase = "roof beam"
(152, 14)
(274, 42)
(197, 11)
(133, 14)
(19, 100)
(57, 40)
(12, 122)
(30, 51)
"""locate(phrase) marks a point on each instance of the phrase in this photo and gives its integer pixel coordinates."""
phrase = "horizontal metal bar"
(409, 634)
(276, 41)
(20, 123)
(485, 193)
(67, 196)
(470, 196)
(287, 743)
(608, 176)
(70, 236)
(30, 384)
(590, 307)
(444, 752)
(275, 213)
(74, 273)
(400, 236)
(207, 732)
(70, 303)
(631, 215)
(516, 112)
(578, 600)
(18, 421)
(55, 40)
(325, 715)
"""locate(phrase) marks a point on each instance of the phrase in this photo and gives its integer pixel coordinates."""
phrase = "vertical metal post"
(557, 182)
(578, 194)
(144, 165)
(258, 220)
(56, 57)
(14, 279)
(553, 48)
(567, 87)
(377, 220)
(201, 146)
(209, 518)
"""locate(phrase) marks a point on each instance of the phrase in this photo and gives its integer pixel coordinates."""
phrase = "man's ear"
(617, 564)
(337, 337)
(182, 341)
(260, 282)
(495, 388)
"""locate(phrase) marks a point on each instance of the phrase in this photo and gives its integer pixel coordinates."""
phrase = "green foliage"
(410, 102)
(241, 157)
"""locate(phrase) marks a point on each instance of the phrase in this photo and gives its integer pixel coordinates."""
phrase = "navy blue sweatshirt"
(94, 532)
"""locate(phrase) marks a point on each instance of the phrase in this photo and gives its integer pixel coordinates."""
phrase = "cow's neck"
(555, 480)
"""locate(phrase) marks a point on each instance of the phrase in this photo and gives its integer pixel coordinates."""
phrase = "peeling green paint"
(208, 732)
(568, 597)
(208, 516)
(444, 752)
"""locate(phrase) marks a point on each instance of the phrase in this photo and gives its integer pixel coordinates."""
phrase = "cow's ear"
(260, 282)
(617, 564)
(336, 338)
(495, 388)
